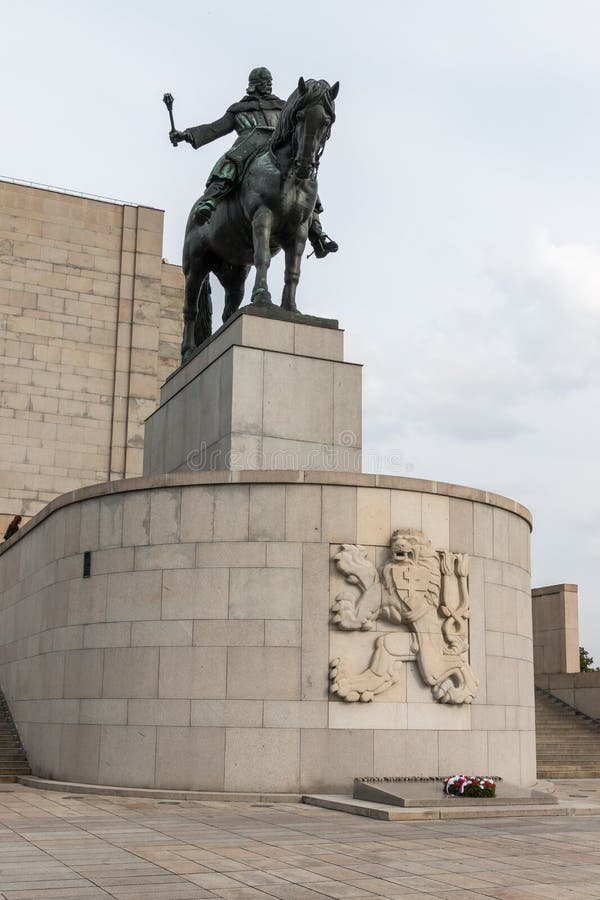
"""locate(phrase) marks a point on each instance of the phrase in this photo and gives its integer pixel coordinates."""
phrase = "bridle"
(320, 149)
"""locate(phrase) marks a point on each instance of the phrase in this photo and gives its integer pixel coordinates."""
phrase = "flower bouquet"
(470, 786)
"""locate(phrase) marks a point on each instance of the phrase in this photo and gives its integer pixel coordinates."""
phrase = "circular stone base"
(196, 655)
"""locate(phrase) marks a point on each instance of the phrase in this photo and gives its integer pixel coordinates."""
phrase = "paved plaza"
(56, 845)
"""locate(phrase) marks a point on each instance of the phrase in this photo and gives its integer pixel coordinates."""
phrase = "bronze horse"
(269, 211)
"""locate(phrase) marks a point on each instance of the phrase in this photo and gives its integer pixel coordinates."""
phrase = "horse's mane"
(317, 91)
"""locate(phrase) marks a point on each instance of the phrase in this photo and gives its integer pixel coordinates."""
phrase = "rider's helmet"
(260, 81)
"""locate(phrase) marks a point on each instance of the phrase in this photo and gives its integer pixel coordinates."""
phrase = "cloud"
(571, 271)
(496, 367)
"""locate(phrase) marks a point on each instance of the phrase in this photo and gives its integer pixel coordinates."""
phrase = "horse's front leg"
(261, 235)
(293, 260)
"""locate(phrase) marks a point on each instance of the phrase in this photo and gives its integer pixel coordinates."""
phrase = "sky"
(461, 182)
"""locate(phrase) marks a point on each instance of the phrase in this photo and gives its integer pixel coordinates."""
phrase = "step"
(575, 736)
(565, 714)
(570, 725)
(578, 750)
(13, 759)
(568, 721)
(572, 734)
(567, 746)
(592, 757)
(582, 746)
(567, 738)
(576, 746)
(551, 771)
(590, 754)
(568, 761)
(567, 743)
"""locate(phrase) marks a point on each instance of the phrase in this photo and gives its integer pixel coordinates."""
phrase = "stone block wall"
(196, 655)
(89, 330)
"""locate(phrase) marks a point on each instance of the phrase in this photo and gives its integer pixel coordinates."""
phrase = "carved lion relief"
(420, 589)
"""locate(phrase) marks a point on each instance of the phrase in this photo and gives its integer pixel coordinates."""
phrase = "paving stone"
(61, 845)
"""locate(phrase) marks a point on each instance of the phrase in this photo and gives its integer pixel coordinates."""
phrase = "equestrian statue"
(261, 197)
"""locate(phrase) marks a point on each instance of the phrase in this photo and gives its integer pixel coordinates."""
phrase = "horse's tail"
(203, 326)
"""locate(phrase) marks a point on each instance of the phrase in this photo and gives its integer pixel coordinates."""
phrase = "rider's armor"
(254, 119)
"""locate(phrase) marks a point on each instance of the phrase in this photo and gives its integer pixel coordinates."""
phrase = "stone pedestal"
(277, 629)
(266, 392)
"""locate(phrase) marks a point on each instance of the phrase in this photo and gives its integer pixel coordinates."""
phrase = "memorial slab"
(430, 793)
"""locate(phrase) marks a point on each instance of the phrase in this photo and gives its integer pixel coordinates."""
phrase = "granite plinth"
(269, 390)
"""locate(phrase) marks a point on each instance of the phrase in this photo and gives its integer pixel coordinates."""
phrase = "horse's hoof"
(261, 297)
(289, 307)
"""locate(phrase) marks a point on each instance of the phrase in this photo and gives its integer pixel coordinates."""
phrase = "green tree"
(586, 662)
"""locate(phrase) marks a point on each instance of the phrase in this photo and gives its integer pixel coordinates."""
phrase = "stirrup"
(324, 245)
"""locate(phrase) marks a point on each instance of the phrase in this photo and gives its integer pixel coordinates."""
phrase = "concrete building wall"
(197, 653)
(89, 330)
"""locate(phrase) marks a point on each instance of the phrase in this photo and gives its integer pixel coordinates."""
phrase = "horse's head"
(306, 122)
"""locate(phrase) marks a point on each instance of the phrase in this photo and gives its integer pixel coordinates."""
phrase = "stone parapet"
(285, 476)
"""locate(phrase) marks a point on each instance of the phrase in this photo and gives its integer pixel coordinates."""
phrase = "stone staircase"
(13, 759)
(568, 742)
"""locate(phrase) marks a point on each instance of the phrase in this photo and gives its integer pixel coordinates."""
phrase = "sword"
(168, 101)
